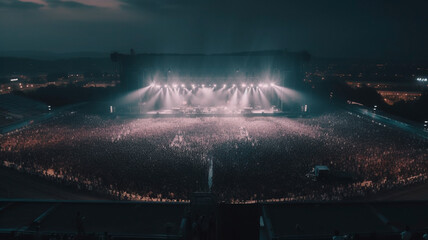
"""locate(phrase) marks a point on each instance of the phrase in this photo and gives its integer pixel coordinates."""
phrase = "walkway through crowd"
(210, 173)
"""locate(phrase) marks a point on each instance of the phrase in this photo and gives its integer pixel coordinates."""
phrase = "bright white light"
(14, 79)
(174, 85)
(203, 85)
(215, 85)
(165, 85)
(244, 85)
(224, 85)
(234, 85)
(252, 85)
(272, 84)
(419, 79)
(182, 85)
(158, 86)
(193, 86)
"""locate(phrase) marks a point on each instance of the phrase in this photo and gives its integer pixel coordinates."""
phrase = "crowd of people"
(257, 158)
(373, 156)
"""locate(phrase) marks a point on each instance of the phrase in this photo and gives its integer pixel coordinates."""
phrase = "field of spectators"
(257, 158)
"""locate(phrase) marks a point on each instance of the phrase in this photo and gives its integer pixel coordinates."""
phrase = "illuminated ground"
(254, 158)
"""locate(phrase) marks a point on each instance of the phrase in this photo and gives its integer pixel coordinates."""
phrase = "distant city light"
(14, 79)
(422, 79)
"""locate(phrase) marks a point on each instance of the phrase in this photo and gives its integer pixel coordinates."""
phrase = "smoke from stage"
(230, 83)
(211, 98)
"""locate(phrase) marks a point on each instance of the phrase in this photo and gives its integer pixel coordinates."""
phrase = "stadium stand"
(89, 220)
(17, 109)
(148, 220)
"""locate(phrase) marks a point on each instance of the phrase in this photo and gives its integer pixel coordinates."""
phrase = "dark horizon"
(55, 56)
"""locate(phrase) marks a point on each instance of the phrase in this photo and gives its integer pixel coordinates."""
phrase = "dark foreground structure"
(203, 218)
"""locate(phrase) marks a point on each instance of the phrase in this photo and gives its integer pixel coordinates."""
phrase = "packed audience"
(258, 158)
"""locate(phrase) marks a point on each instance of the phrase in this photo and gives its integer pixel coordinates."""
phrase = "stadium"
(232, 132)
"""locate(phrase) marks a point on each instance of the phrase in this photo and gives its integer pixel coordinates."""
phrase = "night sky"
(388, 29)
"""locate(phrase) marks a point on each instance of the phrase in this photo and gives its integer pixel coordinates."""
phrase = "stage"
(173, 114)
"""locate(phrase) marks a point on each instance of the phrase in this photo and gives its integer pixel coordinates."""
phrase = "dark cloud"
(67, 4)
(156, 4)
(16, 4)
